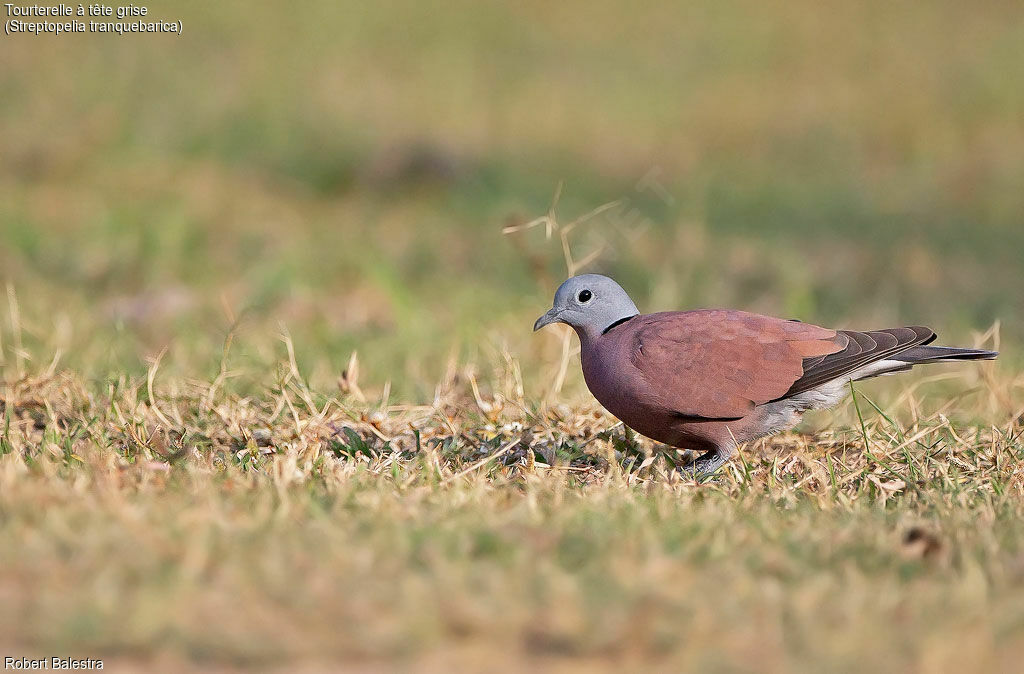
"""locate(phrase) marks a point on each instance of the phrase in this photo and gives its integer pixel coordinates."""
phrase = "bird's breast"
(623, 390)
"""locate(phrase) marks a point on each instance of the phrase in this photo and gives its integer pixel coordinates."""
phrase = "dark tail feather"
(935, 354)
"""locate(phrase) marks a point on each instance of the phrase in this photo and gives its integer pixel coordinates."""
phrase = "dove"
(711, 380)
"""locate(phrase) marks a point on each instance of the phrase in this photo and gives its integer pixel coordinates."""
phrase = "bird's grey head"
(590, 303)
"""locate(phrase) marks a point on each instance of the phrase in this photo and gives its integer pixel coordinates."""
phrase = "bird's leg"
(708, 462)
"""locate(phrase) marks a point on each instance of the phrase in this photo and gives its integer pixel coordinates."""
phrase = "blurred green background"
(345, 170)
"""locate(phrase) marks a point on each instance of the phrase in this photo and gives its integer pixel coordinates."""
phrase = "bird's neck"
(617, 323)
(590, 336)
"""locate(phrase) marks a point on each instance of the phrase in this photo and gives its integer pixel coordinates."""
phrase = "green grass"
(847, 166)
(197, 233)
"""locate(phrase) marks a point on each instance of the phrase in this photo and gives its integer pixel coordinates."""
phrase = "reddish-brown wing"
(718, 364)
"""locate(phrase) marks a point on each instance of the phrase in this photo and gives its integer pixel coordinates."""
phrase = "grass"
(180, 524)
(268, 392)
(852, 167)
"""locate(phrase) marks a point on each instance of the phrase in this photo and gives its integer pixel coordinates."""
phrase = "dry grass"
(202, 529)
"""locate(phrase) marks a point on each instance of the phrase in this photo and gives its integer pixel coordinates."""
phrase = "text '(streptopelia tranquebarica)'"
(710, 380)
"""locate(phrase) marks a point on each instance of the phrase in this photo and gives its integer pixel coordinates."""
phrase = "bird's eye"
(584, 296)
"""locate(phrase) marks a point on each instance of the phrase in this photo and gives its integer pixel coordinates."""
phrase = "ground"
(304, 529)
(269, 397)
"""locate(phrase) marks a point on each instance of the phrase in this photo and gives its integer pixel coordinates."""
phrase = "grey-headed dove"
(711, 380)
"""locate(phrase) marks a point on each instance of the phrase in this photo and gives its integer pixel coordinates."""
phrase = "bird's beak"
(550, 317)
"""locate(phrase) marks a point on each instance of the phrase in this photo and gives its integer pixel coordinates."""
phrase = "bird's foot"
(704, 465)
